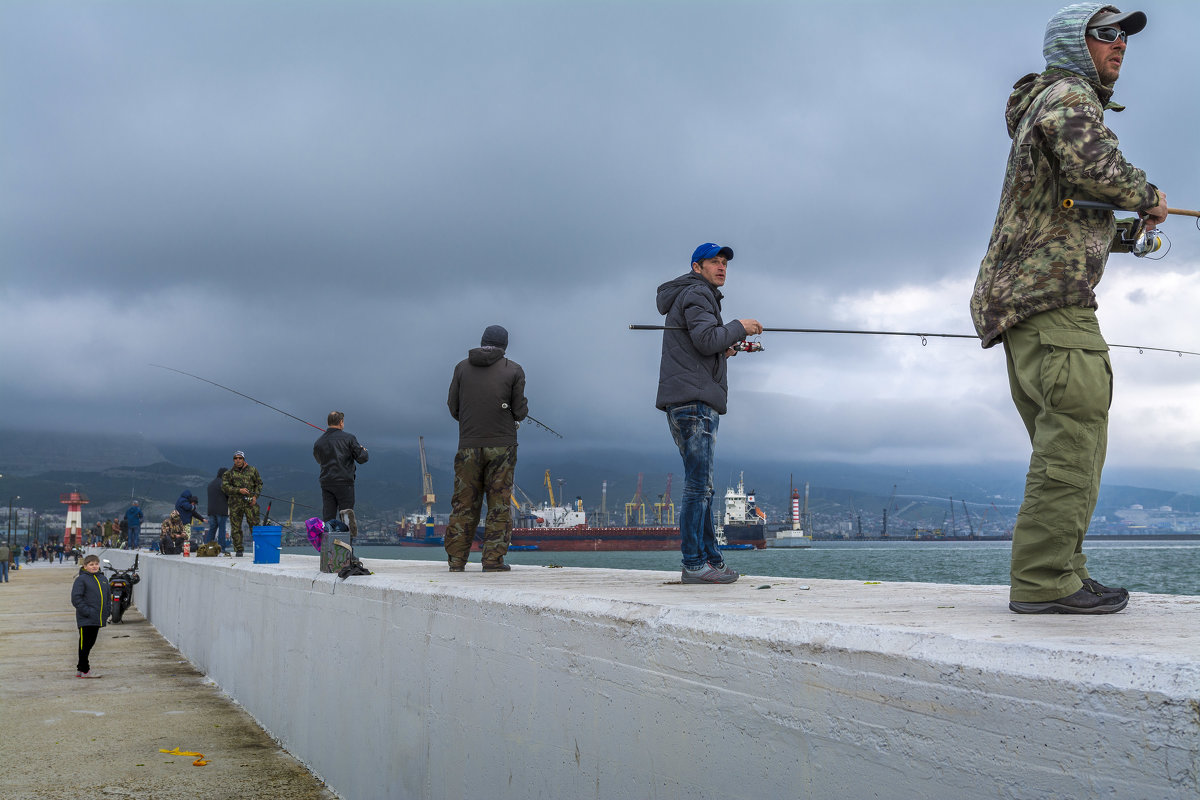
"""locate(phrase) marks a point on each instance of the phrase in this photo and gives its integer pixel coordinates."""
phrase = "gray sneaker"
(707, 573)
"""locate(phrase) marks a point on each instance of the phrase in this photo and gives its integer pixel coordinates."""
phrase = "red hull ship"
(559, 539)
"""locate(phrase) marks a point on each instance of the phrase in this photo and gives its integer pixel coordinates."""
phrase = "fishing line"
(239, 394)
(923, 336)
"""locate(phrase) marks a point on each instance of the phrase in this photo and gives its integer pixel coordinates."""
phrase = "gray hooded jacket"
(693, 366)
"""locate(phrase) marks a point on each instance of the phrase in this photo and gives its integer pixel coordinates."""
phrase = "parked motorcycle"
(121, 582)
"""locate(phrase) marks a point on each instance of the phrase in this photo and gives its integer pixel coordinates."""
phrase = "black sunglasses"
(1108, 35)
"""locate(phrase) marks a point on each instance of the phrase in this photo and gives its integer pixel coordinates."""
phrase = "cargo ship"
(744, 522)
(553, 529)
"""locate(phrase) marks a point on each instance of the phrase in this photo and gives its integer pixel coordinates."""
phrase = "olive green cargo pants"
(480, 471)
(1061, 381)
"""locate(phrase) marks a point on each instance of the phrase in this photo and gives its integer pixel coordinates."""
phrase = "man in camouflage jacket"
(242, 485)
(173, 534)
(1035, 293)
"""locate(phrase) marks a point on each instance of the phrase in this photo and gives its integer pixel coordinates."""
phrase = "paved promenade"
(66, 738)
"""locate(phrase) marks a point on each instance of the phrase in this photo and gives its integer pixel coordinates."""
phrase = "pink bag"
(316, 529)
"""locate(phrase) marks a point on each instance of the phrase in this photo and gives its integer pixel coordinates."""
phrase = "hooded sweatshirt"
(487, 397)
(1042, 256)
(693, 364)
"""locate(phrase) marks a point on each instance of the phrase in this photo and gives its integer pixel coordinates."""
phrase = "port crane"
(636, 509)
(427, 496)
(550, 488)
(664, 509)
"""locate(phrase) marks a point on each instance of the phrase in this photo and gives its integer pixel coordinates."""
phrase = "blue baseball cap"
(710, 250)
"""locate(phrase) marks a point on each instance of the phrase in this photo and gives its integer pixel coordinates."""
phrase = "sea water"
(1163, 567)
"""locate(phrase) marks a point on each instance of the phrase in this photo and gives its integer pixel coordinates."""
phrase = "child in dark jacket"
(92, 600)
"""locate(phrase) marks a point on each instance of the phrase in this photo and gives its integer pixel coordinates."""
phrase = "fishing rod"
(535, 421)
(239, 394)
(1150, 241)
(543, 426)
(923, 336)
(285, 500)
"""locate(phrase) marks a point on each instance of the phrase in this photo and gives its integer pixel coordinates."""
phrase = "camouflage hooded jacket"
(1042, 256)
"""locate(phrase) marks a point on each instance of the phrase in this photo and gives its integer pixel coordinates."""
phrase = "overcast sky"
(323, 204)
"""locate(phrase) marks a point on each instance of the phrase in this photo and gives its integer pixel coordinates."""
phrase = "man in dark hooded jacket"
(693, 390)
(487, 397)
(1035, 293)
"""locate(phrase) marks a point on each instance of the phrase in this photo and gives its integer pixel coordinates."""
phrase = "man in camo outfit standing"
(242, 485)
(1035, 293)
(487, 397)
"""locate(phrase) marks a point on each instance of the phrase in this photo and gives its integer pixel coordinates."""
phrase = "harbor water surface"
(1162, 567)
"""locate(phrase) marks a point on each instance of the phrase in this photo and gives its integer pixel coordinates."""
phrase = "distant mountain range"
(113, 470)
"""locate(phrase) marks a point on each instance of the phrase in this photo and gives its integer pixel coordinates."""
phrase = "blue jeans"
(694, 428)
(217, 525)
(135, 537)
(4, 570)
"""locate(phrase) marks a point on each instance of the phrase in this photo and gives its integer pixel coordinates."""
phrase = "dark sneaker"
(497, 567)
(1100, 588)
(1085, 601)
(707, 573)
(238, 554)
(457, 567)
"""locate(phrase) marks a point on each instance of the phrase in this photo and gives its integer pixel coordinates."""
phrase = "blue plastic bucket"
(266, 543)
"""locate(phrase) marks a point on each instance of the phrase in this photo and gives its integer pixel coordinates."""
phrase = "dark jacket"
(92, 599)
(484, 383)
(186, 508)
(693, 361)
(337, 451)
(218, 503)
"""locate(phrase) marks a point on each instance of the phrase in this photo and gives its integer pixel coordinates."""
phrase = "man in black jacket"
(487, 397)
(218, 510)
(693, 390)
(338, 453)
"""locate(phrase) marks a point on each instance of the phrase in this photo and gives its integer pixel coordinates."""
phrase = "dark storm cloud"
(323, 204)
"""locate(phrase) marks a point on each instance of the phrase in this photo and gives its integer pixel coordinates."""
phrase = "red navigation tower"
(75, 501)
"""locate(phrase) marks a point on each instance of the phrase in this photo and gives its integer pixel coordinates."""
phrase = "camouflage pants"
(238, 510)
(479, 471)
(1061, 382)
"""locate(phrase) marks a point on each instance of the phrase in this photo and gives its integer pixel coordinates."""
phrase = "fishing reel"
(747, 346)
(1147, 242)
(1151, 242)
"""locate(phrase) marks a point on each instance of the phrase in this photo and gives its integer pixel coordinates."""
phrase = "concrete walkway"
(62, 737)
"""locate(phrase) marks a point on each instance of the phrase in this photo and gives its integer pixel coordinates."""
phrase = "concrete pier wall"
(570, 683)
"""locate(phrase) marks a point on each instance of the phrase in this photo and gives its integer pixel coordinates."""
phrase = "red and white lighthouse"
(75, 501)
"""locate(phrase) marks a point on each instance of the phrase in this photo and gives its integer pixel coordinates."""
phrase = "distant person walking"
(218, 511)
(338, 453)
(1035, 294)
(487, 398)
(92, 598)
(5, 557)
(693, 390)
(242, 485)
(133, 520)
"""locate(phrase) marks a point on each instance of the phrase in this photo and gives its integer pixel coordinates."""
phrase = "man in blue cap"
(693, 390)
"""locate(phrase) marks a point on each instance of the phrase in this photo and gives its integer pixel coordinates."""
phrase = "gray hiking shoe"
(707, 573)
(1084, 601)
